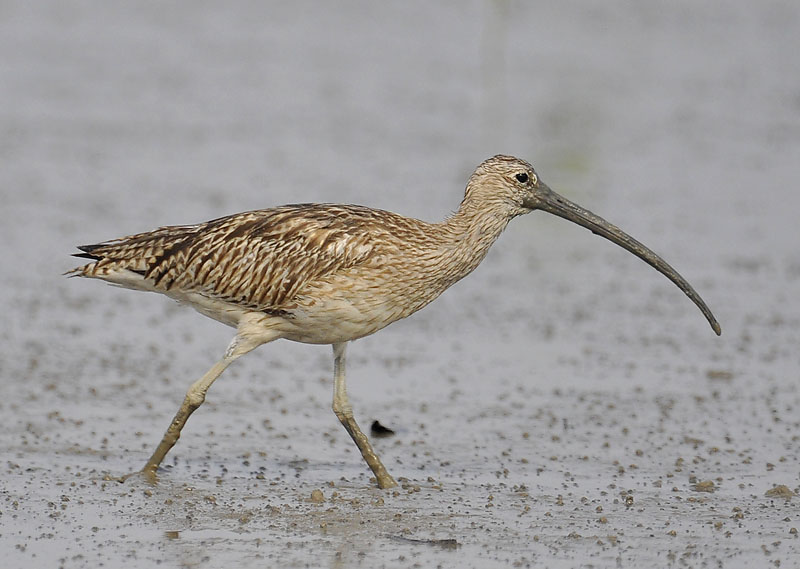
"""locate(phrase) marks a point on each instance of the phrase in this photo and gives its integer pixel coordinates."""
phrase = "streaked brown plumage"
(327, 274)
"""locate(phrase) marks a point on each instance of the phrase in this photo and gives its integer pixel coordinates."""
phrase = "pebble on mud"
(780, 491)
(705, 486)
(317, 497)
(377, 430)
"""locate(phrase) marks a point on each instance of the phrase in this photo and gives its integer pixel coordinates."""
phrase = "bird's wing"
(258, 259)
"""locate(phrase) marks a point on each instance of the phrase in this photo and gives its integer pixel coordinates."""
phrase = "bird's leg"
(194, 398)
(344, 412)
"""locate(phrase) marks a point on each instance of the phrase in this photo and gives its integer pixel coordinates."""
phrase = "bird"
(322, 273)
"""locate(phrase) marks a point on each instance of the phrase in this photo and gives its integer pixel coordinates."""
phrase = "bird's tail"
(126, 261)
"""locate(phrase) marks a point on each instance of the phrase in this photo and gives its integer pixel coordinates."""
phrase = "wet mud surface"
(564, 406)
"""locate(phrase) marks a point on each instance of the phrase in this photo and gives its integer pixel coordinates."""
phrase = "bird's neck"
(468, 235)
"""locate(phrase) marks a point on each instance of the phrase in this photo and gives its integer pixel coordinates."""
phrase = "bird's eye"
(522, 177)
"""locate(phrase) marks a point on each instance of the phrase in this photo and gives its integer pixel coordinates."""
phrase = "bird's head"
(514, 186)
(504, 183)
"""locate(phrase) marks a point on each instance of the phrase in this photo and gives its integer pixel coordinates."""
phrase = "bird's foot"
(148, 474)
(385, 481)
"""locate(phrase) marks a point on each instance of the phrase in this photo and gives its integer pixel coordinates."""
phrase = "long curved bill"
(542, 197)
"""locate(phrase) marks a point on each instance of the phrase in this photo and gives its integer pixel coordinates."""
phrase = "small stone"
(378, 431)
(704, 486)
(317, 497)
(780, 491)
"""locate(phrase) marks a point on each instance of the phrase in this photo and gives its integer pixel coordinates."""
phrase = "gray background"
(556, 408)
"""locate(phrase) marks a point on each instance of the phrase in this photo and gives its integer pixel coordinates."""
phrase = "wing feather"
(259, 259)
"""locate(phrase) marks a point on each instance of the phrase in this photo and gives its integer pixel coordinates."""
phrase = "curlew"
(328, 274)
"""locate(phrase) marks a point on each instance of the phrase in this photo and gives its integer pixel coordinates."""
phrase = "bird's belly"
(329, 320)
(348, 306)
(219, 310)
(335, 320)
(327, 312)
(323, 319)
